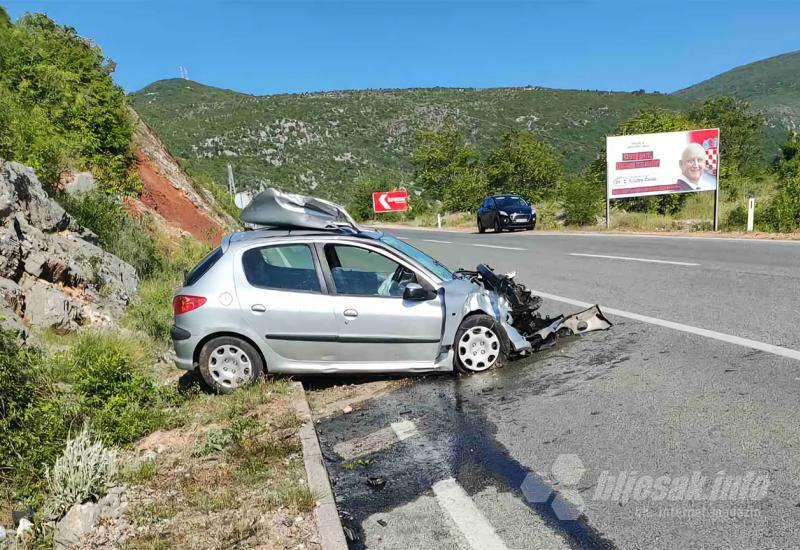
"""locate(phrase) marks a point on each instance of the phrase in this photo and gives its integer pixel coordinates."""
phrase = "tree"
(61, 105)
(440, 158)
(582, 201)
(524, 165)
(783, 211)
(466, 191)
(645, 122)
(360, 204)
(740, 131)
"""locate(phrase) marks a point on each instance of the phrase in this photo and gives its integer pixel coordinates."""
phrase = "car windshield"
(434, 266)
(508, 201)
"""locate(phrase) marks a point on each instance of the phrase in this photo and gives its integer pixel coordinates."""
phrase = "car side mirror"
(416, 293)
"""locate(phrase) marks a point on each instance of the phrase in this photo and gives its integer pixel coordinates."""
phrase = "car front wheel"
(480, 345)
(497, 227)
(227, 363)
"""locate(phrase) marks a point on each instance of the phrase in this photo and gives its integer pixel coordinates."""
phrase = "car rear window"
(202, 268)
(284, 267)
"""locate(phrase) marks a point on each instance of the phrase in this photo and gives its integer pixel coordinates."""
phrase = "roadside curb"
(326, 516)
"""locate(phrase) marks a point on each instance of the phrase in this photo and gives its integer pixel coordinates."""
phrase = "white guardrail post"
(751, 208)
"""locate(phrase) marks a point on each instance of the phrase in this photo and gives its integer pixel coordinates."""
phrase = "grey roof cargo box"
(278, 209)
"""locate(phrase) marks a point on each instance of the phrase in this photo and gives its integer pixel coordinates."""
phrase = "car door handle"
(351, 313)
(258, 308)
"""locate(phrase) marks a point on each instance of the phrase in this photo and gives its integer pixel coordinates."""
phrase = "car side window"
(283, 267)
(361, 272)
(487, 204)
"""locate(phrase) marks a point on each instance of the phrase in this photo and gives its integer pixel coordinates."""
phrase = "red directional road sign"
(390, 201)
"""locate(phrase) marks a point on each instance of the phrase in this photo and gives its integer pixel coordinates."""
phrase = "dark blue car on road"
(506, 211)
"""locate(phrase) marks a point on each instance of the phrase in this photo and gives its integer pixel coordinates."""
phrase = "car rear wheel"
(481, 229)
(480, 345)
(227, 363)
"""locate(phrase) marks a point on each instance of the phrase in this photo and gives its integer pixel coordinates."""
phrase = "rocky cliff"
(52, 273)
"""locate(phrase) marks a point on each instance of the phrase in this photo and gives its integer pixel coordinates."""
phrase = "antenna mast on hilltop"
(184, 72)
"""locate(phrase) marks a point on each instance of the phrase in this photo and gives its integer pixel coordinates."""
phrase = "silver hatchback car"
(306, 301)
(344, 300)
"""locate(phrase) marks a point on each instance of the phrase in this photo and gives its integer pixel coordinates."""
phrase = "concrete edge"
(326, 516)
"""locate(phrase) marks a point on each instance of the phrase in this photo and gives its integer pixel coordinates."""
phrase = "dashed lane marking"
(501, 247)
(630, 259)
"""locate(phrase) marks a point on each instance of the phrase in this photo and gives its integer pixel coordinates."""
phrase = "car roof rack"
(277, 209)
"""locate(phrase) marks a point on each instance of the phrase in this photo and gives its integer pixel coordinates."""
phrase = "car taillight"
(185, 304)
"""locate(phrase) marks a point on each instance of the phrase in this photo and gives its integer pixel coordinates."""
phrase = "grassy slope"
(771, 85)
(323, 141)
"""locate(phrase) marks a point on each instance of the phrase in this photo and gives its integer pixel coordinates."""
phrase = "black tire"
(227, 363)
(497, 227)
(481, 229)
(488, 325)
(533, 226)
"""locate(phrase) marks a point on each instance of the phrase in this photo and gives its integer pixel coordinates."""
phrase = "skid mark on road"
(630, 259)
(721, 336)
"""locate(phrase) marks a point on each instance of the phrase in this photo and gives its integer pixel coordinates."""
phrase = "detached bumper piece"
(588, 320)
(523, 307)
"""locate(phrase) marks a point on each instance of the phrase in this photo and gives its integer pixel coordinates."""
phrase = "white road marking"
(502, 247)
(435, 241)
(404, 238)
(628, 258)
(729, 338)
(404, 429)
(470, 521)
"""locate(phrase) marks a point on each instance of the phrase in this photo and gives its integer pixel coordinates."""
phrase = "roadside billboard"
(658, 164)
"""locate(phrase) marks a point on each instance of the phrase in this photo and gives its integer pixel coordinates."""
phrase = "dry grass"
(248, 490)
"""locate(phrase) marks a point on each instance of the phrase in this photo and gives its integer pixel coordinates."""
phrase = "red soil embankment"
(161, 196)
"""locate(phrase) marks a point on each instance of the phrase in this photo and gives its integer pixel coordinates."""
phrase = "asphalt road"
(698, 377)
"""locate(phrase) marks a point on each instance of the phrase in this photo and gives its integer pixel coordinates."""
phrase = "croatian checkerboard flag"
(709, 139)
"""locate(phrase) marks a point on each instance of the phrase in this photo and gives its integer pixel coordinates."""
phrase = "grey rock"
(21, 192)
(47, 306)
(83, 182)
(39, 241)
(79, 520)
(112, 505)
(3, 533)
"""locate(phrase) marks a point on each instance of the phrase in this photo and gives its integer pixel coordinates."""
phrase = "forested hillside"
(322, 142)
(771, 86)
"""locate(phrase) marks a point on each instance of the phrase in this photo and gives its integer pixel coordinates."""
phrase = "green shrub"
(118, 233)
(583, 201)
(737, 217)
(120, 398)
(152, 311)
(59, 105)
(35, 419)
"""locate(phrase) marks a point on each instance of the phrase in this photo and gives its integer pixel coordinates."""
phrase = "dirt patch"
(232, 476)
(159, 195)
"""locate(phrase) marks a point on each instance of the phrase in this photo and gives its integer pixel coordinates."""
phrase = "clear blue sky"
(265, 47)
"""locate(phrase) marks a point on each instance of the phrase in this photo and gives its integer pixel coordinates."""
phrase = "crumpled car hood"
(515, 307)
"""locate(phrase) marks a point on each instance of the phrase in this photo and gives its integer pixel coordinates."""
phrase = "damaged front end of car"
(517, 310)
